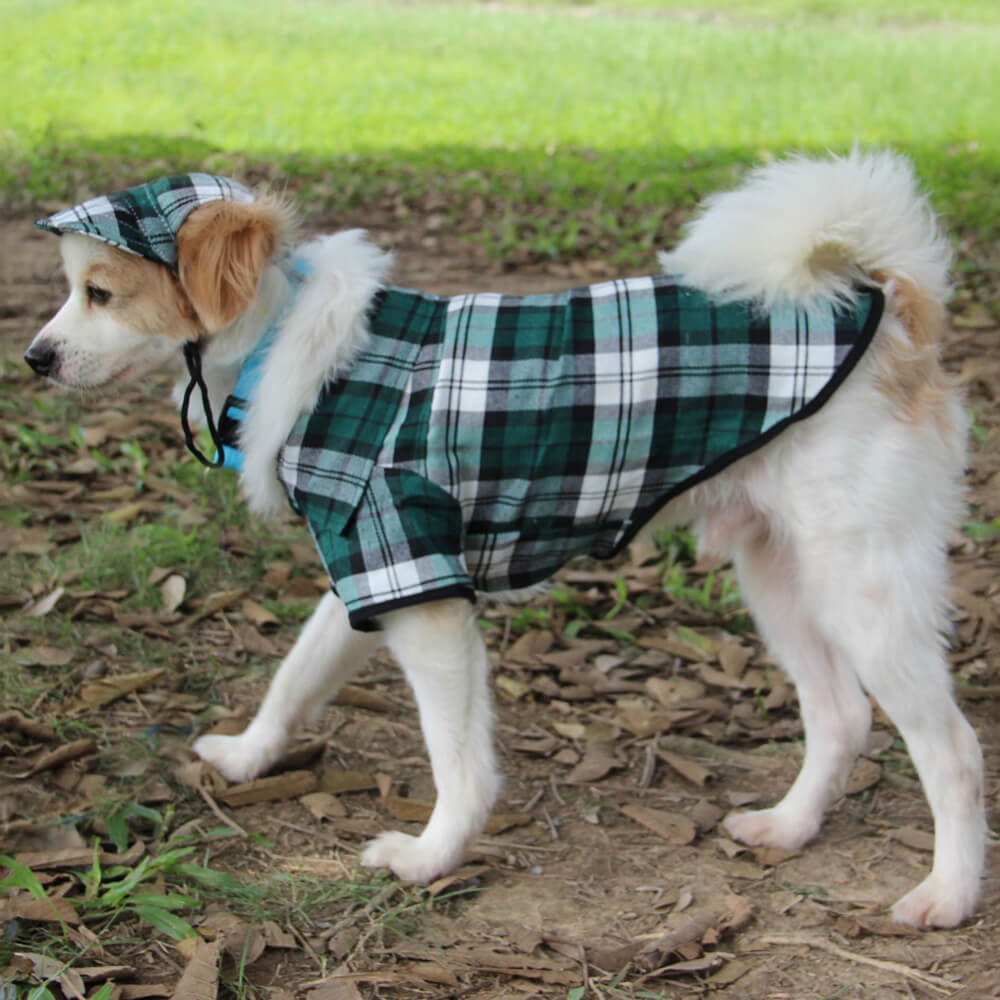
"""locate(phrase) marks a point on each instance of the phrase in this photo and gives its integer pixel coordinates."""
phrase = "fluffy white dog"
(780, 390)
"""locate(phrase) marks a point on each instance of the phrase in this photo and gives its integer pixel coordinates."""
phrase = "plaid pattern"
(144, 220)
(481, 441)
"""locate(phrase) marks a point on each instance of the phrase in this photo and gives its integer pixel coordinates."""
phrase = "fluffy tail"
(801, 229)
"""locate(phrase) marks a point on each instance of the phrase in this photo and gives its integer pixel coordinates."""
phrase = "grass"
(899, 12)
(611, 119)
(175, 880)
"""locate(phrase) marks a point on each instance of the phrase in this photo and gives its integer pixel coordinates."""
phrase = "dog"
(406, 429)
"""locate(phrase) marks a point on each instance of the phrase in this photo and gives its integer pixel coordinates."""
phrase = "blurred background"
(543, 130)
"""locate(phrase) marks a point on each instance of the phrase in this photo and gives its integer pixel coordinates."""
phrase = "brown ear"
(222, 250)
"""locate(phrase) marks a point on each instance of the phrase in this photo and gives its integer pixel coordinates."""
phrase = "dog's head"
(149, 269)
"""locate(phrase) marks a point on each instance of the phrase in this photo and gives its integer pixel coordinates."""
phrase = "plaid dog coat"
(481, 441)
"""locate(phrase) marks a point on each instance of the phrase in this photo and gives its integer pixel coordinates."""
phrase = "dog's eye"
(98, 296)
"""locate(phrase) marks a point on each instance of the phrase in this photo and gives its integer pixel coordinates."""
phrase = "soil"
(583, 894)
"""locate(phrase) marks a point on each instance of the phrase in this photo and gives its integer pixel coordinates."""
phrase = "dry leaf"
(641, 723)
(61, 755)
(919, 840)
(359, 697)
(674, 828)
(173, 589)
(14, 721)
(200, 979)
(290, 785)
(408, 810)
(50, 910)
(73, 857)
(771, 857)
(323, 805)
(691, 770)
(571, 730)
(466, 874)
(102, 973)
(702, 964)
(511, 687)
(534, 643)
(214, 603)
(864, 774)
(733, 658)
(236, 936)
(302, 754)
(540, 745)
(675, 646)
(104, 690)
(53, 970)
(277, 575)
(706, 815)
(127, 512)
(431, 972)
(275, 937)
(336, 780)
(46, 604)
(259, 616)
(498, 822)
(337, 989)
(44, 656)
(596, 763)
(668, 691)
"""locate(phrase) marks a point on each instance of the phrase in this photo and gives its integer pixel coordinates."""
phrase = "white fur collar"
(322, 335)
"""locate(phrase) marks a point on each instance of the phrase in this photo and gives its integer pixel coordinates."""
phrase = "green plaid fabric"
(144, 220)
(481, 441)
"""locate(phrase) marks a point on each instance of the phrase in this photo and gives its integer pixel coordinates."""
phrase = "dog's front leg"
(326, 655)
(440, 648)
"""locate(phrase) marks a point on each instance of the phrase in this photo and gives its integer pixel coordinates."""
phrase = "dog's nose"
(41, 357)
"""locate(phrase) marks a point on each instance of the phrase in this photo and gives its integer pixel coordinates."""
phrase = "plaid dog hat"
(144, 220)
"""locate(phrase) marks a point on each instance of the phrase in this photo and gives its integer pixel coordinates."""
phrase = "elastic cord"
(192, 357)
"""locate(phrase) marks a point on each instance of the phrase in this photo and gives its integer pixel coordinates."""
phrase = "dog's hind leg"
(326, 655)
(441, 650)
(880, 600)
(835, 712)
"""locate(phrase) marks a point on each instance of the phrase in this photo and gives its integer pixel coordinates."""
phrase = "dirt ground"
(613, 875)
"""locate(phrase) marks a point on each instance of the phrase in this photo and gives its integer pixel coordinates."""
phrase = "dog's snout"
(42, 358)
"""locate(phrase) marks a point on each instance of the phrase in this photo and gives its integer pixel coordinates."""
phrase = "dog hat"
(144, 220)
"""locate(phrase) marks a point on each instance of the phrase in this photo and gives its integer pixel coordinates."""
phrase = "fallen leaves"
(674, 828)
(200, 979)
(61, 755)
(276, 788)
(690, 937)
(98, 693)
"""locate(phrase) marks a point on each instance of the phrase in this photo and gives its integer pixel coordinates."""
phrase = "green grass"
(602, 117)
(905, 12)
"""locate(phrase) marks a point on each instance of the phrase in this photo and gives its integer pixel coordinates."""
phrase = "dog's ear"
(222, 250)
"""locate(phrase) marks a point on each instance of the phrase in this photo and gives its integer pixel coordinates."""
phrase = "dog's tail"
(802, 229)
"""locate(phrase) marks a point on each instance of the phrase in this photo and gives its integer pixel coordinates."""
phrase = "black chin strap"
(192, 357)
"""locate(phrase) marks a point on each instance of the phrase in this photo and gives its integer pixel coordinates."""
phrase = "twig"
(329, 838)
(214, 806)
(896, 968)
(694, 747)
(649, 766)
(553, 829)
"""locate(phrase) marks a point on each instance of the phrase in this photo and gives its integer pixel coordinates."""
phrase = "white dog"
(813, 276)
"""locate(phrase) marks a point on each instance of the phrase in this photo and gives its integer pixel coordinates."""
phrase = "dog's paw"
(771, 828)
(937, 902)
(411, 859)
(233, 757)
